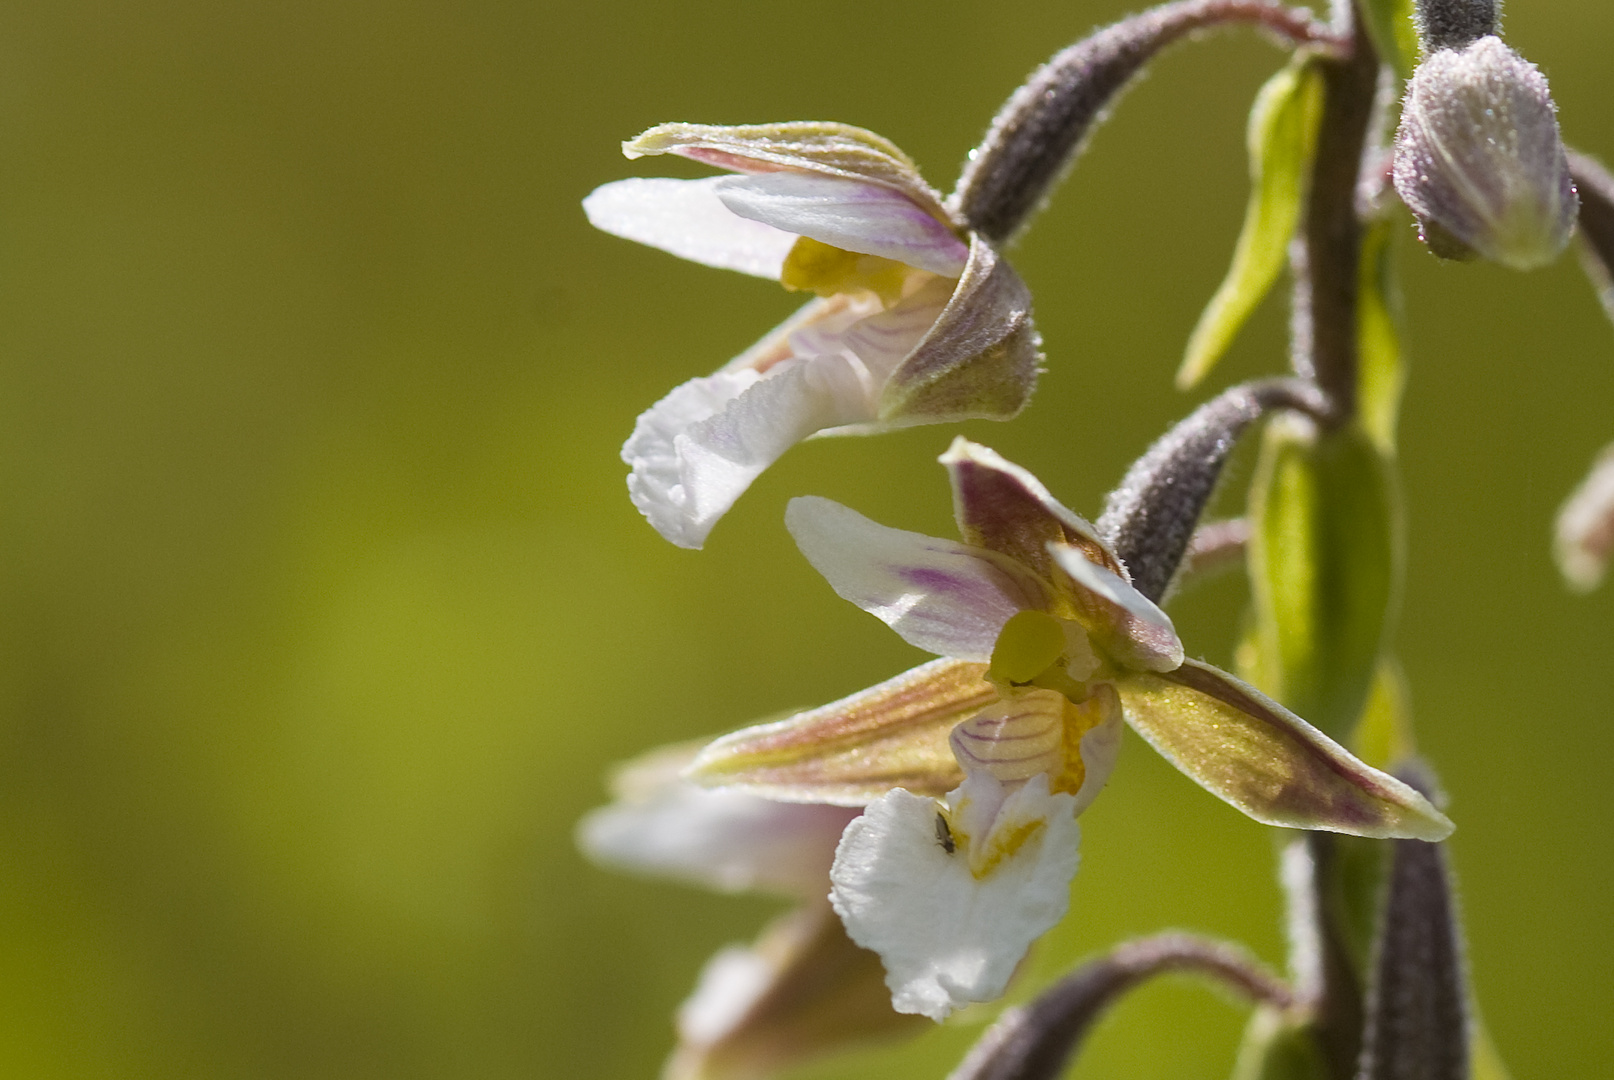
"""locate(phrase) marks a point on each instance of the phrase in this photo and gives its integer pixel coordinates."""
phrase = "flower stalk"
(938, 809)
(1040, 130)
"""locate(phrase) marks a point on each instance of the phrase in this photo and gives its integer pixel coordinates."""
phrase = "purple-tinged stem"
(1035, 1041)
(1039, 131)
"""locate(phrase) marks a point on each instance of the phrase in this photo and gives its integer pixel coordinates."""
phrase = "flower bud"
(1479, 161)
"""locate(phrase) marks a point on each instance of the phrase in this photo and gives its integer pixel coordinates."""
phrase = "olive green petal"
(1256, 755)
(855, 750)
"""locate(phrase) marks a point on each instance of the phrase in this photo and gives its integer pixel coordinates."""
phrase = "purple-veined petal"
(731, 841)
(939, 595)
(696, 451)
(803, 989)
(1259, 757)
(1014, 739)
(948, 933)
(883, 339)
(854, 215)
(853, 751)
(1130, 626)
(1002, 507)
(688, 219)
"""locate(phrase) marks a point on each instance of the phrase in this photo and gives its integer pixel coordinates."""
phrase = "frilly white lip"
(697, 450)
(947, 936)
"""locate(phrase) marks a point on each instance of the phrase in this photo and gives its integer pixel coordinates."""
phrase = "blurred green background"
(323, 612)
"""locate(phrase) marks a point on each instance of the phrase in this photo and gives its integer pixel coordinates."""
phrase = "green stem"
(1327, 252)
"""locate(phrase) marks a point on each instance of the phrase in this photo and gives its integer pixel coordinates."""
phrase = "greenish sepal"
(981, 358)
(1262, 759)
(1484, 1063)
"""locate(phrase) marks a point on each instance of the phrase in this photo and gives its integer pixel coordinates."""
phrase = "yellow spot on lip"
(1003, 844)
(817, 267)
(1029, 644)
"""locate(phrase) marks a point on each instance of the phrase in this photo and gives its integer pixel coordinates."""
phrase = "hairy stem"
(1150, 518)
(1034, 1042)
(1326, 253)
(1038, 132)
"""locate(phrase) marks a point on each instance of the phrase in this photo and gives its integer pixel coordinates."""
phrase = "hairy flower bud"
(1479, 161)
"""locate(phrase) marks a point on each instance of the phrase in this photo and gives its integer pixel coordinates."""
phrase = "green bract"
(1323, 562)
(1282, 141)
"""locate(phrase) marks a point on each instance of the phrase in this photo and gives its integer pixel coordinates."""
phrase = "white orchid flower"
(959, 863)
(917, 320)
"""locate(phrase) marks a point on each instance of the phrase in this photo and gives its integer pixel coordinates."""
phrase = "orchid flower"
(962, 859)
(803, 988)
(917, 320)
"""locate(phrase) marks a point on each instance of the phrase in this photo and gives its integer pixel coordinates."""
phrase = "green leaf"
(1259, 757)
(1282, 139)
(1381, 376)
(1389, 24)
(1275, 1049)
(1324, 565)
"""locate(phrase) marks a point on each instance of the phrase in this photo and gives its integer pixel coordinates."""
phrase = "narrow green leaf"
(1381, 376)
(1324, 553)
(1276, 1049)
(1260, 758)
(1389, 24)
(1282, 138)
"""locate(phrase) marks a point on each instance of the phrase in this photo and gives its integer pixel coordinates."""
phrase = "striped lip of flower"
(1046, 647)
(916, 320)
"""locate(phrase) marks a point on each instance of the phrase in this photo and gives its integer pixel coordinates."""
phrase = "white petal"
(855, 215)
(725, 840)
(687, 218)
(940, 595)
(1156, 646)
(732, 981)
(696, 451)
(880, 339)
(947, 938)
